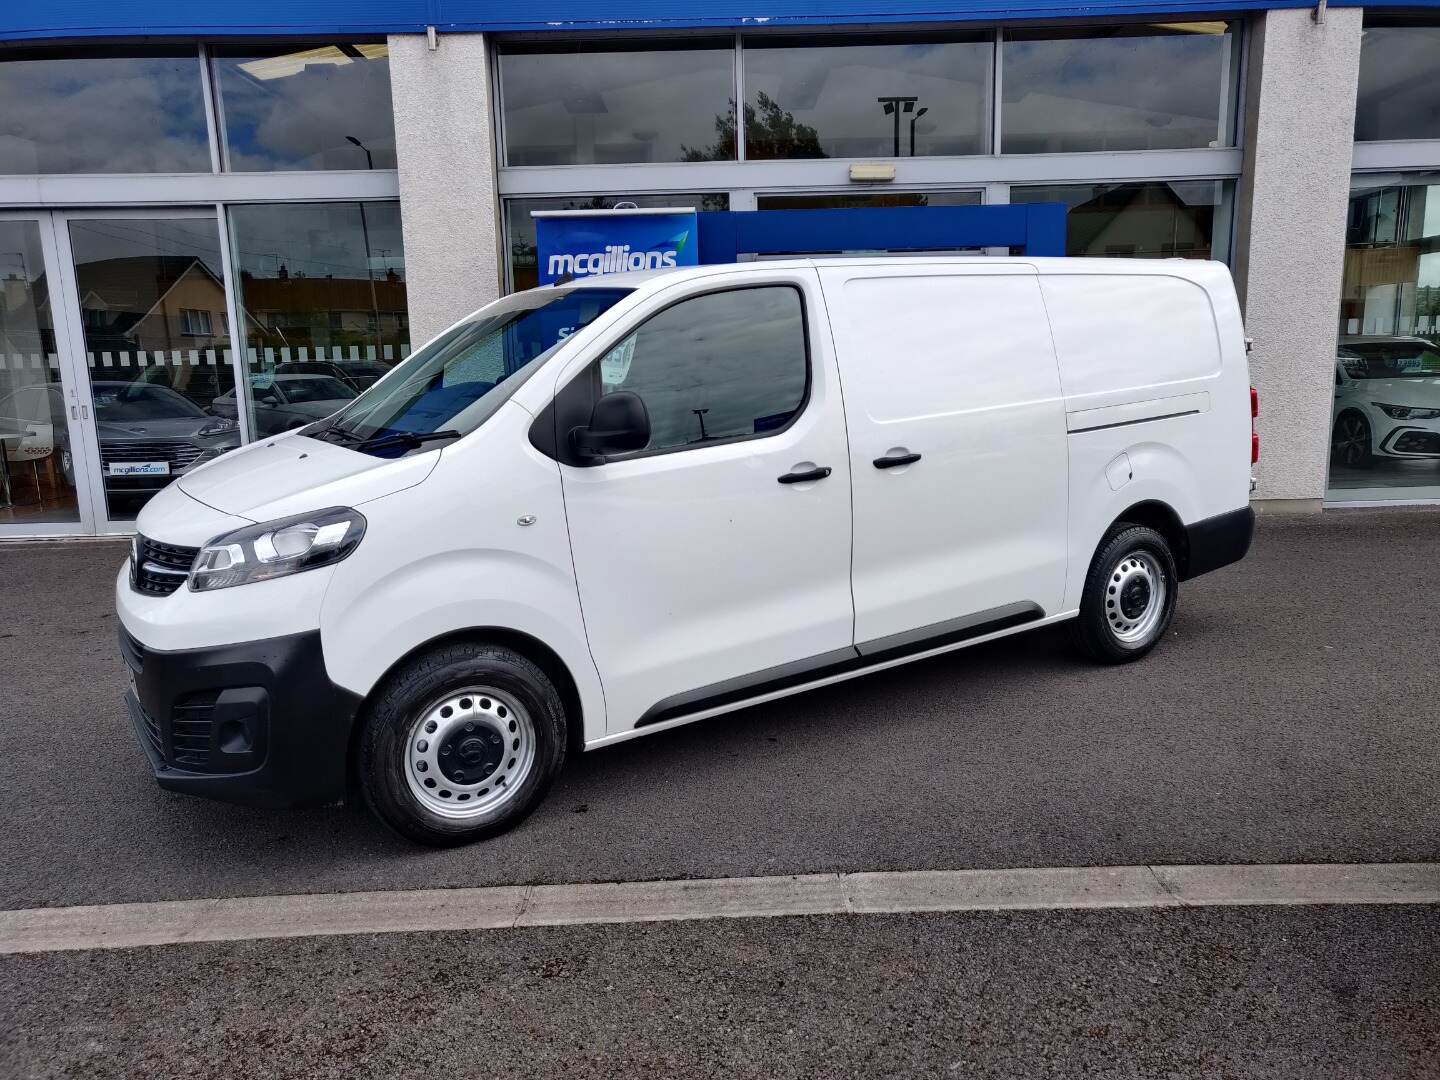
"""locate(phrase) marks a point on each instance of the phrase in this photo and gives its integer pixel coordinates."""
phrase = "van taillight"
(1254, 435)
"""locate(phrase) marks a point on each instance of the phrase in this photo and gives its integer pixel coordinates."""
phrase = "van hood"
(293, 474)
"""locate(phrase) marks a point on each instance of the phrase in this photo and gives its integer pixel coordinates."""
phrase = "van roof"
(1072, 265)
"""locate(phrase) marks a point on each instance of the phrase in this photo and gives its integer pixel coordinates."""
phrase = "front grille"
(159, 569)
(179, 455)
(190, 723)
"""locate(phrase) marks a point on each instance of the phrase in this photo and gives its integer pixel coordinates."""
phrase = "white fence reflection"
(256, 359)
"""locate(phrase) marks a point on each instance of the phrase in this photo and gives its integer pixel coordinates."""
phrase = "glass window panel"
(37, 469)
(1159, 219)
(1385, 424)
(520, 226)
(905, 99)
(306, 107)
(1399, 96)
(1127, 88)
(322, 289)
(157, 389)
(578, 107)
(721, 366)
(94, 111)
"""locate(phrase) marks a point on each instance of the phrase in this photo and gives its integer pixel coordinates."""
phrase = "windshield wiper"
(332, 429)
(406, 439)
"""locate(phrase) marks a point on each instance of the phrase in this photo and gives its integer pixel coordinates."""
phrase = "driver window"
(719, 366)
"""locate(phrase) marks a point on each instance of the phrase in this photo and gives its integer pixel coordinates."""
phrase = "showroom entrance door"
(150, 329)
(44, 488)
(119, 376)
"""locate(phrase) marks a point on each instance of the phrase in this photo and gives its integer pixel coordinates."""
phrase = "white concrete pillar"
(448, 202)
(1290, 234)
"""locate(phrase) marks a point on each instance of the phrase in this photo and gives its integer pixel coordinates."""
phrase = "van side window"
(719, 366)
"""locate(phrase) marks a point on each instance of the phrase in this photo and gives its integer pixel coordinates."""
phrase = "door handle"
(895, 460)
(817, 473)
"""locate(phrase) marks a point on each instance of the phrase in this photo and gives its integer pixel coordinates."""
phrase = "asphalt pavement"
(1310, 993)
(1291, 716)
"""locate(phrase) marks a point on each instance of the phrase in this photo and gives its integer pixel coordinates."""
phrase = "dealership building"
(221, 220)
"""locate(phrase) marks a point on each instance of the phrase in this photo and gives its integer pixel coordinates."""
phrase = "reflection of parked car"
(357, 374)
(149, 434)
(1387, 401)
(283, 402)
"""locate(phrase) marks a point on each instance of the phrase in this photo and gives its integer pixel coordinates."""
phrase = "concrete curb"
(170, 922)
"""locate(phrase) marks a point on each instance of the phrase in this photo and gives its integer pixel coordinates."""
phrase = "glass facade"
(321, 285)
(907, 99)
(300, 108)
(1159, 219)
(322, 294)
(138, 365)
(1122, 88)
(98, 111)
(520, 226)
(1151, 87)
(1385, 426)
(577, 106)
(1398, 96)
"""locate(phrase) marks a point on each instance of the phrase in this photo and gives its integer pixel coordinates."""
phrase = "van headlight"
(276, 548)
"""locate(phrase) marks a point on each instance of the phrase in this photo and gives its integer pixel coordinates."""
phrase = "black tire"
(412, 693)
(1129, 557)
(1351, 442)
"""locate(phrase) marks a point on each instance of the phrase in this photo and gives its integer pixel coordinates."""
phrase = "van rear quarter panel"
(1153, 367)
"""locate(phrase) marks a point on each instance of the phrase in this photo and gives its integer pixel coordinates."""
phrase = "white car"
(1387, 401)
(595, 511)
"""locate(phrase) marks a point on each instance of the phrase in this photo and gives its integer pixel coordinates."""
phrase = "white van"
(602, 509)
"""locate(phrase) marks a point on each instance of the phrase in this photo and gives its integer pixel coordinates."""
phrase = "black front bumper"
(1218, 541)
(258, 723)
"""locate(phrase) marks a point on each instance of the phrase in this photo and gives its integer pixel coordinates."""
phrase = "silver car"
(149, 434)
(281, 402)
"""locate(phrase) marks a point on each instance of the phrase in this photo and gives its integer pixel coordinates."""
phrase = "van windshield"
(455, 383)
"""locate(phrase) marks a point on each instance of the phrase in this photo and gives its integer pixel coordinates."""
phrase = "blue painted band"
(1036, 229)
(38, 20)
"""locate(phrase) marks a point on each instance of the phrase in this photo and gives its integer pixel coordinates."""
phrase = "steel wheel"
(467, 754)
(1350, 442)
(1135, 597)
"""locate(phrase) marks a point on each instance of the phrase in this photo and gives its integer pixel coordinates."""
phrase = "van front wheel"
(1129, 596)
(461, 744)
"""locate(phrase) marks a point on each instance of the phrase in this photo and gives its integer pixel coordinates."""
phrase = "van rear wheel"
(1129, 596)
(461, 744)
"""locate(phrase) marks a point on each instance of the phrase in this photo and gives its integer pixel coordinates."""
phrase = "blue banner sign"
(583, 243)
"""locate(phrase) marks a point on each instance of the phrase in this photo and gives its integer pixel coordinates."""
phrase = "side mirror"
(618, 424)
